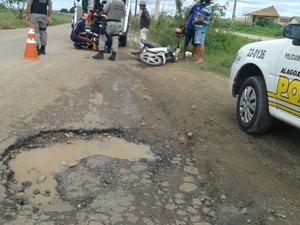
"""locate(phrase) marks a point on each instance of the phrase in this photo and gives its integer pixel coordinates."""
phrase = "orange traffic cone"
(31, 52)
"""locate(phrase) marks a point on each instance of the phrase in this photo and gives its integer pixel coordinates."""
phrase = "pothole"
(36, 164)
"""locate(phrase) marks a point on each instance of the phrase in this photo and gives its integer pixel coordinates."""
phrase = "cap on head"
(142, 3)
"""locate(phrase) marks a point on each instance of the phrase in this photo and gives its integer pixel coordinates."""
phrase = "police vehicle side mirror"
(292, 31)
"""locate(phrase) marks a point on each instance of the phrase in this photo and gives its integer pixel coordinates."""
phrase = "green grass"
(221, 48)
(9, 21)
(220, 51)
(273, 30)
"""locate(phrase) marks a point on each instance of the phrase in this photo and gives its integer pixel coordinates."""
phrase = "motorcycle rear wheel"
(151, 59)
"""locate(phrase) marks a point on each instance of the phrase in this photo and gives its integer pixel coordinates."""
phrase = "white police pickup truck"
(266, 78)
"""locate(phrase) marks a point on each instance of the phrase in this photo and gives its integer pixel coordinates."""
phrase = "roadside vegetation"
(263, 27)
(8, 19)
(221, 48)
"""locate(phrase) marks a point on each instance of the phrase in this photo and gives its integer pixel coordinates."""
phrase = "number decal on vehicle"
(257, 53)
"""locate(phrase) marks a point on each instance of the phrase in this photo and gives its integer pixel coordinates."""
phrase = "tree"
(178, 4)
(16, 6)
(2, 6)
(64, 10)
(72, 10)
(218, 11)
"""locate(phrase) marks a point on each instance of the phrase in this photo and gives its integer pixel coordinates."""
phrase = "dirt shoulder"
(259, 175)
(252, 36)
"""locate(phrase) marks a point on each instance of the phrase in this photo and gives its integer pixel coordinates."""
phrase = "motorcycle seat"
(149, 44)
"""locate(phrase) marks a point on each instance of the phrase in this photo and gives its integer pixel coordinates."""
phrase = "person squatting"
(89, 39)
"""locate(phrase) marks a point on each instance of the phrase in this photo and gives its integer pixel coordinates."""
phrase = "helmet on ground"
(142, 3)
(179, 32)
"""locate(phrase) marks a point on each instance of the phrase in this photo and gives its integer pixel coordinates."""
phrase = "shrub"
(265, 22)
(72, 10)
(2, 6)
(64, 10)
(163, 31)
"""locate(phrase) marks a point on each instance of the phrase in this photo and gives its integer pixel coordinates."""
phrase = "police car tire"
(261, 119)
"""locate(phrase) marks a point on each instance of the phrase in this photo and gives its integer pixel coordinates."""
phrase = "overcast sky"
(284, 7)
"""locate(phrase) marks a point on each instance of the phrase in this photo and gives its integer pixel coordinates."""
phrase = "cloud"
(284, 7)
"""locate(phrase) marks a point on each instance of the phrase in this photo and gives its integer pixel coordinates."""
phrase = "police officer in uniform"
(38, 12)
(114, 10)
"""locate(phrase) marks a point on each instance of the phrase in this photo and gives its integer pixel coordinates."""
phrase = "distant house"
(295, 19)
(269, 12)
(284, 19)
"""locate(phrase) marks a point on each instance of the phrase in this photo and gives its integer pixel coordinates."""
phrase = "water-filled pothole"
(35, 169)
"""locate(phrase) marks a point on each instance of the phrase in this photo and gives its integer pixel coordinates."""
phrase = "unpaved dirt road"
(203, 170)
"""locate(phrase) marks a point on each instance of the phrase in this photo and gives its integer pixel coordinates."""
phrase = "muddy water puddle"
(37, 167)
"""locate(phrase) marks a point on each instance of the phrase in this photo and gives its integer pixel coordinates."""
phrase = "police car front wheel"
(252, 106)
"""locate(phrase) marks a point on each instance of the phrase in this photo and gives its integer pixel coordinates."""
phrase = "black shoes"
(78, 46)
(99, 56)
(43, 50)
(113, 56)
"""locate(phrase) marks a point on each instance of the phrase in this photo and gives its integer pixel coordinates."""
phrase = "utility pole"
(157, 6)
(234, 9)
(135, 7)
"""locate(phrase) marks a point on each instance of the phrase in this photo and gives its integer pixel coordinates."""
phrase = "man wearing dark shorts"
(190, 29)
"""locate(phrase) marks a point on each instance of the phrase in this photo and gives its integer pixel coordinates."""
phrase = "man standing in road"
(114, 10)
(144, 21)
(39, 12)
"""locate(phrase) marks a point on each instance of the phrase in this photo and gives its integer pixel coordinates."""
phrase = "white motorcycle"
(155, 55)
